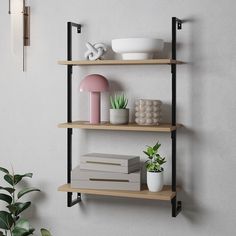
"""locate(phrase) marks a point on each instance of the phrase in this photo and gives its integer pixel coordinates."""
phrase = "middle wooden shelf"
(165, 127)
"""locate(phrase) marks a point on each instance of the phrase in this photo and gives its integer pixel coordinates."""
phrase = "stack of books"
(107, 172)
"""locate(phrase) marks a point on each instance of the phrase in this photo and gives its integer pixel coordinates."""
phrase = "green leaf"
(22, 228)
(157, 146)
(15, 179)
(9, 190)
(150, 151)
(25, 191)
(126, 103)
(17, 231)
(6, 220)
(9, 179)
(112, 103)
(120, 101)
(6, 198)
(146, 153)
(18, 178)
(45, 232)
(18, 207)
(116, 102)
(4, 170)
(22, 223)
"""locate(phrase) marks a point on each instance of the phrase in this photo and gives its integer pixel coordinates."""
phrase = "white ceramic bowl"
(137, 48)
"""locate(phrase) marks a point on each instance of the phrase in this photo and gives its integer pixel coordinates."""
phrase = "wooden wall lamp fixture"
(20, 28)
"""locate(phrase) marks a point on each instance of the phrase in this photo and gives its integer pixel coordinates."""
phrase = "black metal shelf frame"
(70, 25)
(176, 25)
(176, 205)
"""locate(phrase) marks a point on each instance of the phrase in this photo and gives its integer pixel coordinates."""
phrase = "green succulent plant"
(118, 101)
(155, 161)
(11, 222)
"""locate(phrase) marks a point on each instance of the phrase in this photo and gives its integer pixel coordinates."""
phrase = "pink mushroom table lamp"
(95, 84)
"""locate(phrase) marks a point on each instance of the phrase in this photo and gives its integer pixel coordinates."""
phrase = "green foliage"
(6, 198)
(22, 228)
(45, 232)
(18, 207)
(6, 220)
(15, 179)
(25, 191)
(4, 170)
(118, 101)
(9, 190)
(155, 161)
(11, 221)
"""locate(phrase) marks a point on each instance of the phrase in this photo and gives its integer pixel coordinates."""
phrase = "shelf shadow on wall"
(189, 179)
(35, 198)
(119, 204)
(166, 52)
(195, 173)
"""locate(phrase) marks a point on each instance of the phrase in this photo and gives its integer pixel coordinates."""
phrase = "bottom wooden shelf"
(165, 195)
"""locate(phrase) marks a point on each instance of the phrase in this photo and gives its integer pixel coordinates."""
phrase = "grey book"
(105, 180)
(110, 162)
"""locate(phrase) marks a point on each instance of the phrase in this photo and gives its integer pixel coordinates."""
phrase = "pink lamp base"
(94, 107)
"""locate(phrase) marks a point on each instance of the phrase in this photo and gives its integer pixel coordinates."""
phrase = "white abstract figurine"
(95, 51)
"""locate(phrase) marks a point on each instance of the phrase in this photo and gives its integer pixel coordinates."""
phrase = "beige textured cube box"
(110, 162)
(105, 180)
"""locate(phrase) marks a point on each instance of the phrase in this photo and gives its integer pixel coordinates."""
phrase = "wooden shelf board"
(165, 195)
(121, 62)
(128, 127)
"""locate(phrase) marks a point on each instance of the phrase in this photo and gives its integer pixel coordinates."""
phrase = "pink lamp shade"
(95, 84)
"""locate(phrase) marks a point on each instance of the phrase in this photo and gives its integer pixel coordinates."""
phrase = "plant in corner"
(11, 222)
(154, 168)
(119, 114)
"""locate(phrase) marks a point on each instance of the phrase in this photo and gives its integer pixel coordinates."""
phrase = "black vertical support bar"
(173, 133)
(70, 202)
(9, 7)
(176, 206)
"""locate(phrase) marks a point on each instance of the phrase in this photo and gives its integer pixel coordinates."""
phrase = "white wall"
(34, 102)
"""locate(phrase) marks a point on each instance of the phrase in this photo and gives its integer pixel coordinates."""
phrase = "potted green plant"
(154, 168)
(119, 114)
(11, 222)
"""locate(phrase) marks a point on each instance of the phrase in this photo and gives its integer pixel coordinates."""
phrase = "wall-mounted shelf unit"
(169, 193)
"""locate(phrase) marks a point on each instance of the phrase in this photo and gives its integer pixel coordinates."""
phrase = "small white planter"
(155, 181)
(119, 116)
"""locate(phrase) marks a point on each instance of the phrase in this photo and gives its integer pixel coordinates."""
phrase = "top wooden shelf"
(121, 62)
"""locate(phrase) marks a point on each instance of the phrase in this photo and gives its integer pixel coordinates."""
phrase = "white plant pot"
(119, 116)
(155, 181)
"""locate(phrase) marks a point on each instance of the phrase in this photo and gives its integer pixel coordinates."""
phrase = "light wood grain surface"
(128, 127)
(121, 62)
(165, 195)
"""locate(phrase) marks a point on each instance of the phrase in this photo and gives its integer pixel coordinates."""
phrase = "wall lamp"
(20, 27)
